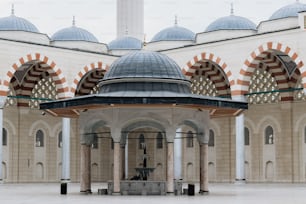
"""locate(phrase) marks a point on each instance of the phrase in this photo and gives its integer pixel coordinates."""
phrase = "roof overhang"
(72, 107)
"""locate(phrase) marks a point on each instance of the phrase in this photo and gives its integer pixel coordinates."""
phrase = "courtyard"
(219, 193)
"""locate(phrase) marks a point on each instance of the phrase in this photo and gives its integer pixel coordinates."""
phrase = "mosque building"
(251, 79)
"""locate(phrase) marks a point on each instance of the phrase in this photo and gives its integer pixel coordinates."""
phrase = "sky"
(99, 16)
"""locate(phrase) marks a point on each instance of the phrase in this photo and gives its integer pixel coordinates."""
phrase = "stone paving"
(219, 193)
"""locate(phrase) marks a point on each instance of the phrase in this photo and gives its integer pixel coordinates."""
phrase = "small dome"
(145, 71)
(290, 10)
(174, 33)
(125, 43)
(14, 23)
(74, 33)
(231, 22)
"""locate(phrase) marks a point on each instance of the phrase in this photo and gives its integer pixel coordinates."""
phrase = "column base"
(201, 192)
(240, 181)
(116, 193)
(170, 193)
(86, 191)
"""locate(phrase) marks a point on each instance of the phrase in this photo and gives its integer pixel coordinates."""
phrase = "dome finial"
(13, 10)
(175, 20)
(232, 8)
(73, 21)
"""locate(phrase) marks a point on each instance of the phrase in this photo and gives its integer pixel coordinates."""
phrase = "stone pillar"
(85, 168)
(178, 155)
(2, 103)
(126, 158)
(240, 177)
(65, 154)
(203, 168)
(116, 169)
(170, 168)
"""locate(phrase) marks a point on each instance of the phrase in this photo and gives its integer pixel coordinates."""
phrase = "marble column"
(116, 169)
(85, 168)
(65, 155)
(170, 168)
(2, 103)
(178, 155)
(203, 168)
(240, 177)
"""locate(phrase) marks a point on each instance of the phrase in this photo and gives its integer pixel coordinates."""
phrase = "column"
(2, 103)
(126, 158)
(116, 168)
(170, 168)
(122, 163)
(65, 155)
(203, 168)
(178, 155)
(240, 177)
(85, 168)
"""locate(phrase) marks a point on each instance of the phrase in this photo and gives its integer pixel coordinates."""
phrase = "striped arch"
(264, 54)
(49, 65)
(90, 81)
(215, 76)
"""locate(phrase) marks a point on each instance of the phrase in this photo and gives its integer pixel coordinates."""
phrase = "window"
(39, 138)
(189, 139)
(95, 142)
(4, 137)
(112, 143)
(141, 141)
(211, 141)
(246, 136)
(60, 140)
(269, 137)
(159, 141)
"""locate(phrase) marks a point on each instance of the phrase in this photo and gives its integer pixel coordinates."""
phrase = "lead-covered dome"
(231, 22)
(14, 23)
(145, 71)
(174, 33)
(125, 43)
(290, 10)
(74, 33)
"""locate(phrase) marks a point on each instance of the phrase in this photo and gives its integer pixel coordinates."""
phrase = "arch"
(40, 138)
(9, 126)
(299, 123)
(54, 71)
(266, 121)
(88, 68)
(39, 124)
(189, 142)
(211, 140)
(195, 63)
(39, 171)
(253, 60)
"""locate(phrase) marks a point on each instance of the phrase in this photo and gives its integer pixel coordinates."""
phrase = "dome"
(14, 23)
(175, 33)
(74, 33)
(144, 71)
(125, 43)
(231, 22)
(290, 10)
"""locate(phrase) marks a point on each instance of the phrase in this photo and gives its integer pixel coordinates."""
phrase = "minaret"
(130, 17)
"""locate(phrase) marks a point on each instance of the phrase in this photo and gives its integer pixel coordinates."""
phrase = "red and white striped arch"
(190, 69)
(55, 72)
(91, 67)
(263, 54)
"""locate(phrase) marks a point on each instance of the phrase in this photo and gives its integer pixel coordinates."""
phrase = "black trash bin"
(63, 188)
(191, 189)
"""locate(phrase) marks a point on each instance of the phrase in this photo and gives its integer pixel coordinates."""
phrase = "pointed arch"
(49, 65)
(90, 81)
(222, 77)
(264, 51)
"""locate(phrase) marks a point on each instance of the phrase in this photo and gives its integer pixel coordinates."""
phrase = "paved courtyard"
(219, 193)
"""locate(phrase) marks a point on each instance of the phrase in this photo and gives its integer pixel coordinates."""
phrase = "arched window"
(112, 143)
(95, 142)
(189, 139)
(4, 137)
(269, 137)
(39, 138)
(159, 141)
(246, 136)
(211, 141)
(60, 140)
(141, 141)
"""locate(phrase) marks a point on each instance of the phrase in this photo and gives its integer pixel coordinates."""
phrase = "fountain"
(144, 171)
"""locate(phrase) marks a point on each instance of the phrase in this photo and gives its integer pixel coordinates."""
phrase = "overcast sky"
(99, 16)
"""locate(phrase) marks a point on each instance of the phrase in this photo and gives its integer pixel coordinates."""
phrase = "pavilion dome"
(290, 10)
(231, 22)
(174, 33)
(145, 71)
(74, 33)
(14, 23)
(125, 43)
